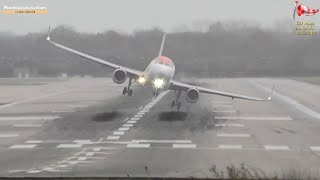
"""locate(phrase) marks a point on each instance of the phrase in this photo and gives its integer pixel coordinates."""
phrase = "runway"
(85, 127)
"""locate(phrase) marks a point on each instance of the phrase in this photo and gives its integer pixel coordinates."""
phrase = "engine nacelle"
(193, 95)
(119, 76)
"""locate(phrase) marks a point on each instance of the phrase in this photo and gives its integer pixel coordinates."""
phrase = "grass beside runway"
(28, 81)
(312, 80)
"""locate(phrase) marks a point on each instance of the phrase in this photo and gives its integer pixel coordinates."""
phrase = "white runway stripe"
(270, 118)
(8, 135)
(128, 125)
(315, 148)
(138, 145)
(27, 125)
(123, 129)
(221, 106)
(118, 133)
(229, 146)
(135, 118)
(33, 142)
(33, 171)
(62, 111)
(131, 122)
(83, 141)
(224, 111)
(233, 135)
(270, 147)
(184, 146)
(23, 146)
(138, 116)
(229, 125)
(160, 141)
(113, 137)
(221, 102)
(140, 113)
(69, 145)
(24, 118)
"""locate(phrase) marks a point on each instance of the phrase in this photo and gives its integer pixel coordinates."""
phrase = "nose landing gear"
(177, 102)
(128, 89)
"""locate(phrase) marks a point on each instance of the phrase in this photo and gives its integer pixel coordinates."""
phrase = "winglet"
(48, 36)
(270, 97)
(162, 44)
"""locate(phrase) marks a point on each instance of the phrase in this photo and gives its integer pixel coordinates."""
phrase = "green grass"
(28, 82)
(312, 80)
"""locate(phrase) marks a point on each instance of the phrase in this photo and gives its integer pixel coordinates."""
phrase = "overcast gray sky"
(128, 15)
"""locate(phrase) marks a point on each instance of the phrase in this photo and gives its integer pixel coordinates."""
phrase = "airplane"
(303, 10)
(159, 75)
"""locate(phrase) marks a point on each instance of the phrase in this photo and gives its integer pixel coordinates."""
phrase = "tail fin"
(162, 44)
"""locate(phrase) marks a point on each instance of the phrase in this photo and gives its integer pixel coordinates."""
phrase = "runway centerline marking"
(135, 118)
(257, 118)
(224, 111)
(233, 135)
(131, 122)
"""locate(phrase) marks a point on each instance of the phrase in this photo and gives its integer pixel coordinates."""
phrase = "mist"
(222, 50)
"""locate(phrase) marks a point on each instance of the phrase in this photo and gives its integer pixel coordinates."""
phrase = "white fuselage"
(159, 69)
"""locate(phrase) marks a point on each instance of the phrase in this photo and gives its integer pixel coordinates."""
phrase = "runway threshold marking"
(128, 125)
(33, 141)
(123, 129)
(131, 122)
(258, 118)
(224, 111)
(118, 133)
(135, 118)
(233, 135)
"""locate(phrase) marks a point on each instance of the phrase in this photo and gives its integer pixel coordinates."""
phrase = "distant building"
(25, 70)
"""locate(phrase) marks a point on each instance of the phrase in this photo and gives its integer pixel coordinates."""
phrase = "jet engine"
(192, 95)
(119, 76)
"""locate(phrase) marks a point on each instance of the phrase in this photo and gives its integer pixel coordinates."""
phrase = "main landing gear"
(177, 102)
(128, 89)
(156, 92)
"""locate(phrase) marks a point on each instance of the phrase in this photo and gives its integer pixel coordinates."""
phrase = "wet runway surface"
(84, 127)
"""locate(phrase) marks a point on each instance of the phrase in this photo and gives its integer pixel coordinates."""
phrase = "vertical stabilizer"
(162, 44)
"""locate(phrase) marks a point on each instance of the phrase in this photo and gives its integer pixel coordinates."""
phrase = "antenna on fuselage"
(162, 44)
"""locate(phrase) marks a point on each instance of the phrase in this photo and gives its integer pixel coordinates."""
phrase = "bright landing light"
(158, 83)
(142, 80)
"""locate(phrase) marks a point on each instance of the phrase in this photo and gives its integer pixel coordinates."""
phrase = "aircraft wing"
(174, 85)
(131, 72)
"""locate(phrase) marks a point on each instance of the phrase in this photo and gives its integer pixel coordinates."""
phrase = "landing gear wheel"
(178, 105)
(130, 92)
(173, 103)
(124, 91)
